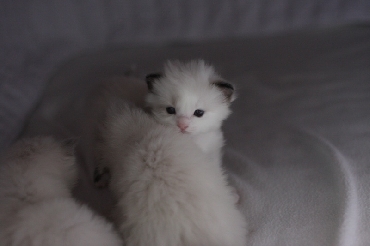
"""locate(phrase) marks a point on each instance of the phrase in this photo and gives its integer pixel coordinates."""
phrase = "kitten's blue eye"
(171, 110)
(198, 113)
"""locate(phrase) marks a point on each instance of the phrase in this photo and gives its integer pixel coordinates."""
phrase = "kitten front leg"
(102, 174)
(102, 177)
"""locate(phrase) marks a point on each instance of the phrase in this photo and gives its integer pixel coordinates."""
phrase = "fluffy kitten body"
(36, 206)
(195, 99)
(169, 193)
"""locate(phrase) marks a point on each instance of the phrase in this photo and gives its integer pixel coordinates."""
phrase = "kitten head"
(191, 96)
(45, 160)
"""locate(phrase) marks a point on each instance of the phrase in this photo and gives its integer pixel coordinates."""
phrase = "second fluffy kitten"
(36, 205)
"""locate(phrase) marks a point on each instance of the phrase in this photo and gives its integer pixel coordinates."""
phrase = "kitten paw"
(101, 177)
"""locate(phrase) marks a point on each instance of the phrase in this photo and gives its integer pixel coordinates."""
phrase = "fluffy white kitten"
(36, 206)
(195, 99)
(169, 192)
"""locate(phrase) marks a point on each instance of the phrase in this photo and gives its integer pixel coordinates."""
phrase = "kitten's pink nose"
(182, 126)
(183, 123)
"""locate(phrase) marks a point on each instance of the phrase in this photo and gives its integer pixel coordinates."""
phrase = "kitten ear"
(150, 78)
(227, 89)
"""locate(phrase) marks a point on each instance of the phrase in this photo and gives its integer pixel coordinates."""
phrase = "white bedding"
(298, 141)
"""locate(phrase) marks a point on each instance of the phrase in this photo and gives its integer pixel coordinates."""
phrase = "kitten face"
(189, 96)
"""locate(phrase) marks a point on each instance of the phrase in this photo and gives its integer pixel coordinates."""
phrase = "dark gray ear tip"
(227, 89)
(224, 85)
(150, 78)
(153, 76)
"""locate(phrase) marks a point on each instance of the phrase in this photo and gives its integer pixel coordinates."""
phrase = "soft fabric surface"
(298, 140)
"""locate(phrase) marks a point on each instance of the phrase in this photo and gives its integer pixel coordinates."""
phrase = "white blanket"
(298, 141)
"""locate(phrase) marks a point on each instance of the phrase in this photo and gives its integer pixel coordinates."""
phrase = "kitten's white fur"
(169, 192)
(188, 87)
(36, 206)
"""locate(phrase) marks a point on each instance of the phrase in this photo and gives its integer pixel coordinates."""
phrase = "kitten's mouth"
(184, 131)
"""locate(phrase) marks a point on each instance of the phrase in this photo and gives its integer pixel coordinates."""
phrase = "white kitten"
(36, 206)
(193, 98)
(169, 192)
